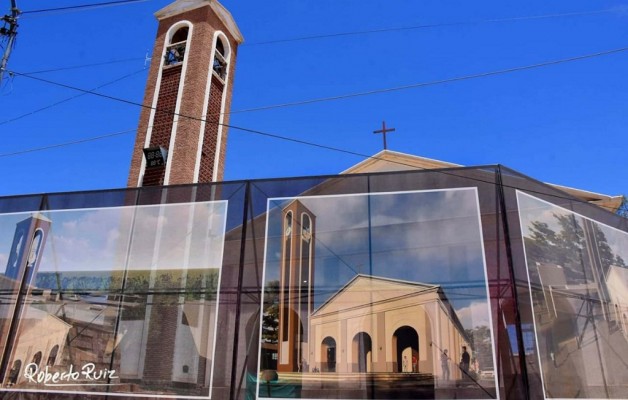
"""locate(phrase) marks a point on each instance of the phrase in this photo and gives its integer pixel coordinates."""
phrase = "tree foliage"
(270, 317)
(567, 247)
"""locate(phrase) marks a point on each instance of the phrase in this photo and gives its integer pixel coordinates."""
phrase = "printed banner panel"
(376, 296)
(578, 275)
(120, 300)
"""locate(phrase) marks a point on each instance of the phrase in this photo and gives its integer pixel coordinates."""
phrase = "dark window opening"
(220, 62)
(53, 356)
(175, 52)
(220, 48)
(180, 35)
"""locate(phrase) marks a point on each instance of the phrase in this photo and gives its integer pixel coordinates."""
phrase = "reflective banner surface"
(579, 291)
(379, 295)
(119, 300)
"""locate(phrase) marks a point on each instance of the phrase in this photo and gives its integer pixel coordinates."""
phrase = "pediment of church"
(387, 161)
(366, 290)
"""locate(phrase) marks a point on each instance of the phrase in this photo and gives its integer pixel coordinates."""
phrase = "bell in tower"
(182, 136)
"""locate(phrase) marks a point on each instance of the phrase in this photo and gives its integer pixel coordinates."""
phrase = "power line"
(326, 147)
(437, 25)
(275, 136)
(416, 85)
(357, 94)
(322, 36)
(67, 143)
(84, 6)
(365, 156)
(85, 65)
(69, 98)
(430, 83)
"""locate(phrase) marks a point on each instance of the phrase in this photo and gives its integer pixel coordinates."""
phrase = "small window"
(306, 228)
(34, 364)
(220, 61)
(37, 358)
(175, 52)
(35, 248)
(220, 48)
(52, 358)
(181, 35)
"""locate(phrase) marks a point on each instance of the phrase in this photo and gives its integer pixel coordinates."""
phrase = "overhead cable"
(68, 98)
(432, 83)
(299, 141)
(438, 25)
(15, 153)
(84, 6)
(357, 94)
(41, 71)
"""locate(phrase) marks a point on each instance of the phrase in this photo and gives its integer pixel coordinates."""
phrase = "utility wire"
(432, 83)
(381, 30)
(365, 156)
(350, 95)
(85, 65)
(68, 143)
(437, 25)
(326, 147)
(69, 98)
(84, 6)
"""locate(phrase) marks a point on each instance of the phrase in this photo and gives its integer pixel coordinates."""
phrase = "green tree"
(567, 247)
(270, 317)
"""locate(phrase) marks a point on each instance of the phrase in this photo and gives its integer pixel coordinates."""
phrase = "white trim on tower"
(210, 75)
(151, 119)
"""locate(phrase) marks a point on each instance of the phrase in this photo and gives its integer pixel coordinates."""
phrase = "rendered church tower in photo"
(296, 302)
(181, 137)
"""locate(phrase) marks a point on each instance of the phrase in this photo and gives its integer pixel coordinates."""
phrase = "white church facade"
(376, 324)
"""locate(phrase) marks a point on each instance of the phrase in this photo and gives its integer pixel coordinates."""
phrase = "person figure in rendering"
(14, 373)
(464, 362)
(444, 363)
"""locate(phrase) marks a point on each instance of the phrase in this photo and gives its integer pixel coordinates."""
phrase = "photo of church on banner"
(379, 295)
(115, 301)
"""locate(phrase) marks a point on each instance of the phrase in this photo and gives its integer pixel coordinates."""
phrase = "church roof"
(181, 6)
(387, 161)
(375, 288)
(36, 319)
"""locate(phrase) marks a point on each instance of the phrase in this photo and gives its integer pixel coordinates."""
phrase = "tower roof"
(182, 6)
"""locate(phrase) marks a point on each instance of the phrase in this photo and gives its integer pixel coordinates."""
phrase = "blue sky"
(562, 123)
(98, 239)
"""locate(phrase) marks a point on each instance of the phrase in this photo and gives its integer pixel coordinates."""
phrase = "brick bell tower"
(180, 138)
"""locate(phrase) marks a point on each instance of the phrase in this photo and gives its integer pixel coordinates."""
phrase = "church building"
(378, 324)
(182, 136)
(400, 277)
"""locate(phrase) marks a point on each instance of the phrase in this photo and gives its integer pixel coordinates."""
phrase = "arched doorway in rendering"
(405, 344)
(362, 352)
(328, 355)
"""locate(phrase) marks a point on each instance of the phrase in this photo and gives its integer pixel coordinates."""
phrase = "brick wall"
(212, 128)
(162, 123)
(160, 343)
(183, 156)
